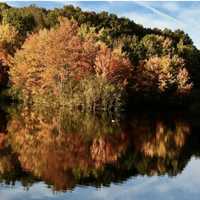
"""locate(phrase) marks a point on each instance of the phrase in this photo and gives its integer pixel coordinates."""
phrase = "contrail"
(162, 14)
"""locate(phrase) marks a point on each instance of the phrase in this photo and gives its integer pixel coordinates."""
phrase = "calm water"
(59, 156)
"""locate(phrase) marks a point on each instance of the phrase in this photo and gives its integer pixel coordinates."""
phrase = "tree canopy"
(127, 55)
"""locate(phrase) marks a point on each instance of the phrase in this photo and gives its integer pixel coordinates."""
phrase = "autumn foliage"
(160, 74)
(83, 72)
(68, 62)
(93, 61)
(73, 148)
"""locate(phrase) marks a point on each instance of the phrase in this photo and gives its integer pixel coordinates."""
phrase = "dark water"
(58, 155)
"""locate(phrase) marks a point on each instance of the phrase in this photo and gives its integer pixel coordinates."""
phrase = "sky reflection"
(183, 186)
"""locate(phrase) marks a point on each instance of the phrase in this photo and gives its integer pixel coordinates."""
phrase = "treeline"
(93, 60)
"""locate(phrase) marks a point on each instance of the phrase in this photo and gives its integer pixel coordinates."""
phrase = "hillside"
(145, 63)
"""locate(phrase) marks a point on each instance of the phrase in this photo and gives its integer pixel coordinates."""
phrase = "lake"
(58, 156)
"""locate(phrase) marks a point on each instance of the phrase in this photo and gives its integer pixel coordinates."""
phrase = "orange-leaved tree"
(161, 74)
(65, 63)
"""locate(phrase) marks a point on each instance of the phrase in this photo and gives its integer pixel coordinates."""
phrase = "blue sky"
(173, 15)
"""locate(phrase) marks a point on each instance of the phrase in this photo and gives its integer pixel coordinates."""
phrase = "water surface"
(60, 155)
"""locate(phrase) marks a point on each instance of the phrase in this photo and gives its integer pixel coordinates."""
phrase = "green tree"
(24, 23)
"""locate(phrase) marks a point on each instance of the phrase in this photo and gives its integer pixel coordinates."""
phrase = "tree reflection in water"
(65, 149)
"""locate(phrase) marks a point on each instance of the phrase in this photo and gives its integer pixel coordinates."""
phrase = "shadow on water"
(69, 149)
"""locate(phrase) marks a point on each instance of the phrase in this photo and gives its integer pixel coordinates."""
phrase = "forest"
(92, 62)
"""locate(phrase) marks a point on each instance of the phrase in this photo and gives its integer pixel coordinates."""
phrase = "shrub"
(89, 94)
